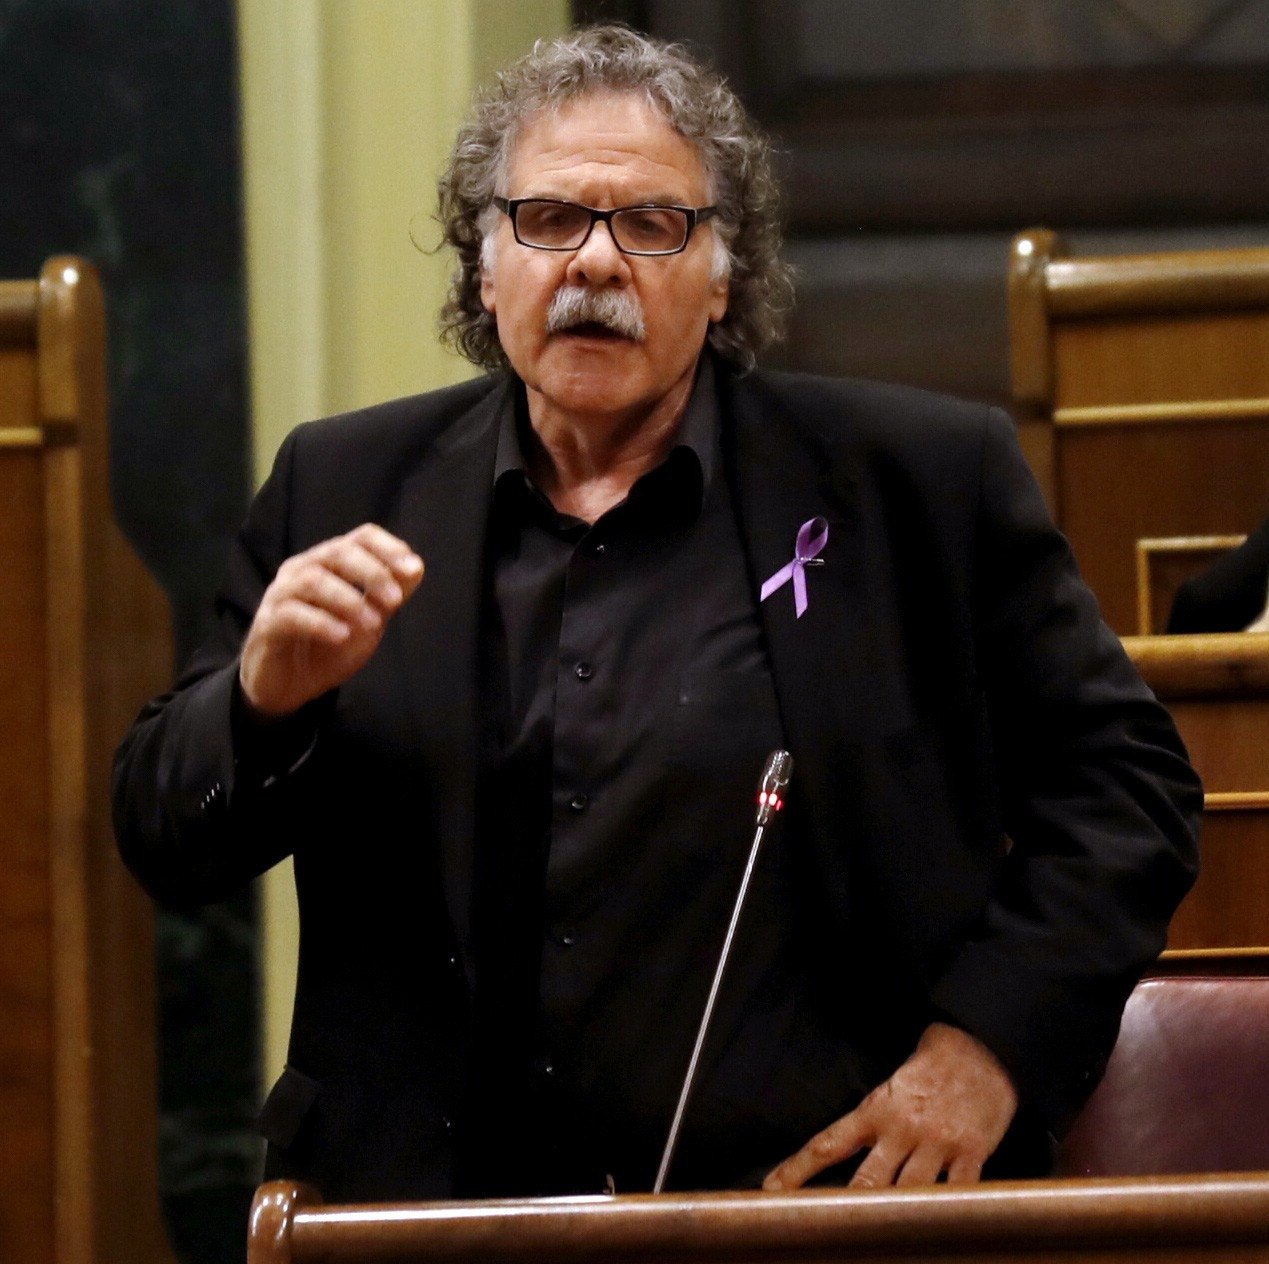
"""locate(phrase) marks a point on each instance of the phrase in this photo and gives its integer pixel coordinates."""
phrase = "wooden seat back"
(1187, 1087)
(85, 640)
(1217, 689)
(1141, 387)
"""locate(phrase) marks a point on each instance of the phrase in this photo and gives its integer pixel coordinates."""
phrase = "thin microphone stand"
(775, 778)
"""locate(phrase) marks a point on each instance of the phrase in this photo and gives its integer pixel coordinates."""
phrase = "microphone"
(775, 780)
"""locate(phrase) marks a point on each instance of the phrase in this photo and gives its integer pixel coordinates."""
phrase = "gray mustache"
(617, 310)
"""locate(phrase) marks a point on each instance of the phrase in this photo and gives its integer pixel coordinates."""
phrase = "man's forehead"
(605, 137)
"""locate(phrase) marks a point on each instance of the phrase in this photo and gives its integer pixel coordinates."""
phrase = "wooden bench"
(1217, 689)
(1141, 387)
(85, 640)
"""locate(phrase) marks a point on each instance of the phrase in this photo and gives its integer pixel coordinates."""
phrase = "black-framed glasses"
(546, 224)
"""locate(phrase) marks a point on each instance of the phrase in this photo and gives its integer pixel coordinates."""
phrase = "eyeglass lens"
(638, 229)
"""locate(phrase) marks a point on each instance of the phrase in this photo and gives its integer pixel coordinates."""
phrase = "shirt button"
(599, 550)
(578, 802)
(568, 940)
(583, 671)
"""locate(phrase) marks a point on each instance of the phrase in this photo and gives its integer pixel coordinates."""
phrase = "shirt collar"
(698, 431)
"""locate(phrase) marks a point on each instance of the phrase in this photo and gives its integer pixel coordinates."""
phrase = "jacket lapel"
(785, 474)
(443, 516)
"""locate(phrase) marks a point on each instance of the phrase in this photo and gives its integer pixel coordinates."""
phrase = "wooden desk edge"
(1213, 665)
(1210, 1208)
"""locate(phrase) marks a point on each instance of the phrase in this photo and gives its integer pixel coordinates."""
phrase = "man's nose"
(597, 261)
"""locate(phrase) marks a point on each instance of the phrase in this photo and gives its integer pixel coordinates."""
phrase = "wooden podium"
(84, 639)
(1160, 1220)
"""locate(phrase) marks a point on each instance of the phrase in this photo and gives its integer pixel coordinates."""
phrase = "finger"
(965, 1170)
(878, 1170)
(409, 574)
(298, 620)
(923, 1166)
(317, 585)
(834, 1145)
(394, 553)
(365, 572)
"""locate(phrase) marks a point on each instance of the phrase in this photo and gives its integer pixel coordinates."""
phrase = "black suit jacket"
(995, 818)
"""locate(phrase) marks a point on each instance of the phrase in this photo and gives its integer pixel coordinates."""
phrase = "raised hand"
(945, 1110)
(322, 618)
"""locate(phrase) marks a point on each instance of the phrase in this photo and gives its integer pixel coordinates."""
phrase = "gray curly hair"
(696, 102)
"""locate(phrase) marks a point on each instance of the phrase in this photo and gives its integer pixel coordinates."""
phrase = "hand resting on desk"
(945, 1109)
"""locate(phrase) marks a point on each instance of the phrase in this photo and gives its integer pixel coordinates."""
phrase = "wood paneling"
(85, 641)
(26, 1027)
(1217, 689)
(1152, 357)
(1163, 565)
(1142, 386)
(17, 384)
(1118, 485)
(1228, 908)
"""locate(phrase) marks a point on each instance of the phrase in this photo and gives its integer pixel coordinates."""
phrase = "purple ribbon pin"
(812, 537)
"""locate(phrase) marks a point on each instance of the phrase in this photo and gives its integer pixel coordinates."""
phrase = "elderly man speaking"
(499, 666)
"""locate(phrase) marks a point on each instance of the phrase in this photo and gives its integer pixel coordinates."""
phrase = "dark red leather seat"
(1187, 1088)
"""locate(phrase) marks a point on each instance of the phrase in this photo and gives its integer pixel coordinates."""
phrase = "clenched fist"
(945, 1110)
(323, 616)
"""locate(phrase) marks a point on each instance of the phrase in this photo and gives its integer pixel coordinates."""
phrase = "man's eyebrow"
(654, 199)
(661, 199)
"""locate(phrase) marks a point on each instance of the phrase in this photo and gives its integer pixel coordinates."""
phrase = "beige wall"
(349, 107)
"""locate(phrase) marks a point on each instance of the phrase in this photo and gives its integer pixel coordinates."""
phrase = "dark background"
(915, 137)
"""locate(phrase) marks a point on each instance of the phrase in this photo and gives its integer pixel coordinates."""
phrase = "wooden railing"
(1162, 1220)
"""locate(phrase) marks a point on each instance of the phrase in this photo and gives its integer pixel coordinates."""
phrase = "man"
(519, 789)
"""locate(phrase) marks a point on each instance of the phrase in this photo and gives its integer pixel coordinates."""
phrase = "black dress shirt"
(629, 706)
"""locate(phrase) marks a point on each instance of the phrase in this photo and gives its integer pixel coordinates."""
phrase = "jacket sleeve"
(201, 802)
(1099, 802)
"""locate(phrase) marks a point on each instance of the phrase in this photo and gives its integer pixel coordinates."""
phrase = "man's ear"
(487, 288)
(720, 294)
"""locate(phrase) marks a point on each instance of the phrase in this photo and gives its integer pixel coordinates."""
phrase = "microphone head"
(775, 779)
(778, 770)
